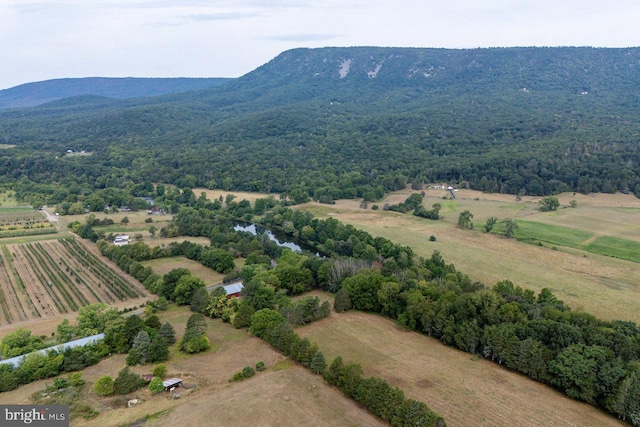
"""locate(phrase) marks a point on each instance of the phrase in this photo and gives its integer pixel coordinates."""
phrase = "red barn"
(233, 290)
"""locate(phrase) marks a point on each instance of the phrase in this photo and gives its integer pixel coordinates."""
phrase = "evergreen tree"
(168, 333)
(139, 350)
(127, 382)
(318, 363)
(342, 301)
(158, 350)
(199, 300)
(104, 386)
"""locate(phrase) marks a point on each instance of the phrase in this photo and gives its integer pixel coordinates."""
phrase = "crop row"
(54, 296)
(4, 303)
(83, 278)
(18, 280)
(79, 295)
(71, 303)
(114, 282)
(27, 232)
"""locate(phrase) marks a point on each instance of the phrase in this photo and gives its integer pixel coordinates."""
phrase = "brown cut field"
(284, 394)
(240, 195)
(465, 390)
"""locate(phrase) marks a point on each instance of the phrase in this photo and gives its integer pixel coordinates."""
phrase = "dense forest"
(351, 122)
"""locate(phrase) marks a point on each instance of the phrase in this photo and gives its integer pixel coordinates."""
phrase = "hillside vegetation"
(354, 122)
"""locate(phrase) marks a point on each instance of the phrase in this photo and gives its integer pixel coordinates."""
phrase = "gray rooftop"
(17, 361)
(234, 288)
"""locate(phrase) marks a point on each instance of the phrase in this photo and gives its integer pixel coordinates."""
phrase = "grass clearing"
(463, 389)
(164, 265)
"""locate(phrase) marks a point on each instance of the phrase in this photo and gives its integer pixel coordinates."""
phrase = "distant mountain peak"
(38, 93)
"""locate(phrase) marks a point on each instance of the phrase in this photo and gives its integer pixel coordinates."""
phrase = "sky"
(50, 39)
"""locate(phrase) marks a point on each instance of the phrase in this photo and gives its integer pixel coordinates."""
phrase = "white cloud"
(226, 38)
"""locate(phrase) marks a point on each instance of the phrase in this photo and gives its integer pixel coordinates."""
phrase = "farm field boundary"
(463, 389)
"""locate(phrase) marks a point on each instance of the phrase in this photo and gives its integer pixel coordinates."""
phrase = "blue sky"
(47, 39)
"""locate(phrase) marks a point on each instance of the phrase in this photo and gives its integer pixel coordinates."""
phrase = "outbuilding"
(171, 384)
(234, 289)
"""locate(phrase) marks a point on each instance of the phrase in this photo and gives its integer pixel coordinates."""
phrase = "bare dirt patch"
(463, 389)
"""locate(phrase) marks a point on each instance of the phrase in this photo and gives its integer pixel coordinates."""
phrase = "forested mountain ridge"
(348, 122)
(38, 93)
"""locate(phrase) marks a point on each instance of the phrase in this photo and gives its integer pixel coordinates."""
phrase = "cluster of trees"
(20, 342)
(146, 341)
(125, 383)
(589, 359)
(195, 338)
(91, 320)
(335, 238)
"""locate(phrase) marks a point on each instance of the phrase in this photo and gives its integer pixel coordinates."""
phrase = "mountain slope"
(350, 122)
(33, 94)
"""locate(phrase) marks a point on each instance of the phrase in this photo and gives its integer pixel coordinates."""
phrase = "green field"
(538, 232)
(616, 247)
(530, 231)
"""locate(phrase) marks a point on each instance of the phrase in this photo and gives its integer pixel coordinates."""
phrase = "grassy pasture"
(164, 265)
(604, 286)
(463, 389)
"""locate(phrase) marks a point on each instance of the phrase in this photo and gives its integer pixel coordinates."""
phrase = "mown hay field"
(465, 390)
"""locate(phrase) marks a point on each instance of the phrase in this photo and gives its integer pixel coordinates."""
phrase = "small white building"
(121, 240)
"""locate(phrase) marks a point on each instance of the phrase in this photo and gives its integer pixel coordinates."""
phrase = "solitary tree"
(549, 204)
(510, 227)
(491, 221)
(156, 386)
(104, 386)
(464, 220)
(159, 370)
